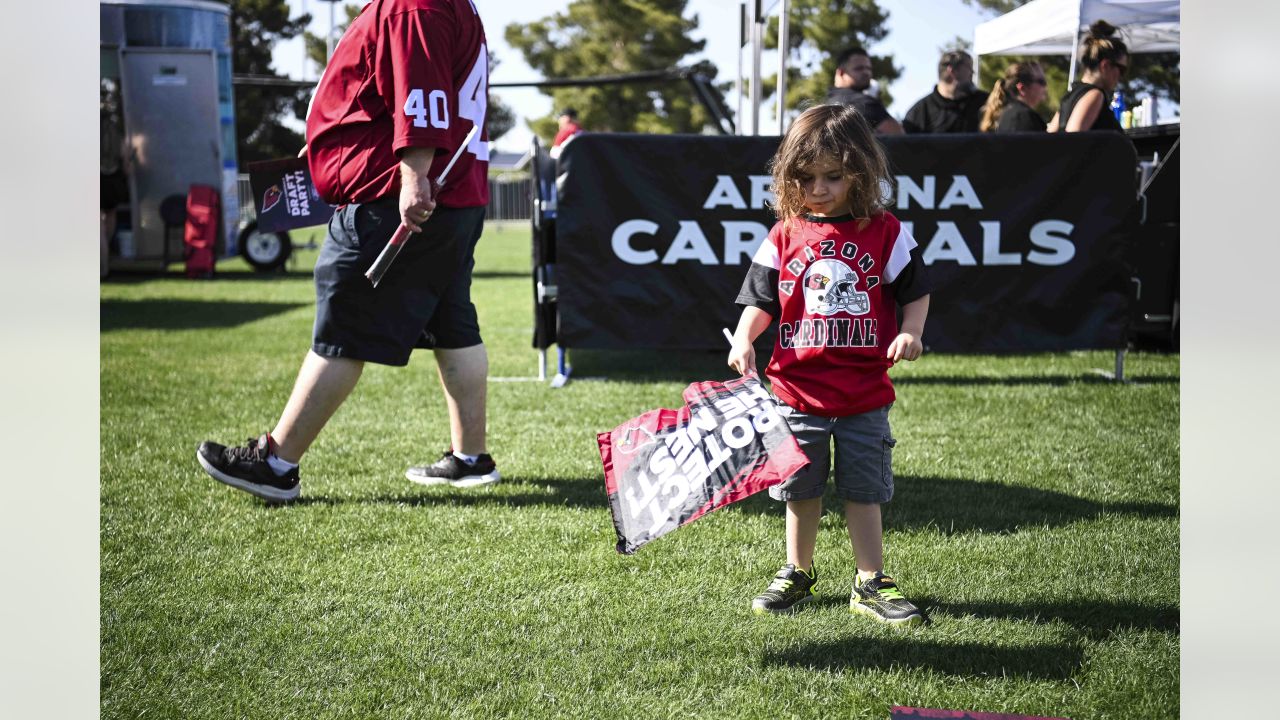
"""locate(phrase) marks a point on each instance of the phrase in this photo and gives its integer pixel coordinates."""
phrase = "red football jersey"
(407, 73)
(834, 289)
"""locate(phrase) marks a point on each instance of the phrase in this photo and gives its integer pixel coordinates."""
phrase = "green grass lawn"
(1036, 518)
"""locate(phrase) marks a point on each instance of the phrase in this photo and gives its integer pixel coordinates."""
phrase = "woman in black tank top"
(1104, 60)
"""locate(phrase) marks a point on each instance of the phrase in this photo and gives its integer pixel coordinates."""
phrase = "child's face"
(825, 187)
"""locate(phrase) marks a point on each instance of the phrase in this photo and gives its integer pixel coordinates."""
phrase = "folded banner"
(667, 468)
(284, 196)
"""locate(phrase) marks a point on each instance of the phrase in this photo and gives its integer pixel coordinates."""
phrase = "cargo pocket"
(886, 461)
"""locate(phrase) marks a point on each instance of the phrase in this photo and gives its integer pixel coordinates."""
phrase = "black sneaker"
(880, 598)
(790, 589)
(456, 472)
(245, 468)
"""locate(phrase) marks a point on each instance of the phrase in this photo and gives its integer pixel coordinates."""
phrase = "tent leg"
(1119, 377)
(542, 365)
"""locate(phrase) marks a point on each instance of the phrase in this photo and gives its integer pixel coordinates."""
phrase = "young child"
(832, 273)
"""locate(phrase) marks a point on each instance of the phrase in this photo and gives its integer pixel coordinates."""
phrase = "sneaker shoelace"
(889, 591)
(781, 584)
(249, 451)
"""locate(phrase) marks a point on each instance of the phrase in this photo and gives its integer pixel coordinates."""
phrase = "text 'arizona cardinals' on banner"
(654, 235)
(668, 468)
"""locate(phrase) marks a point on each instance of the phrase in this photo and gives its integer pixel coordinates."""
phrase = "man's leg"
(463, 376)
(323, 384)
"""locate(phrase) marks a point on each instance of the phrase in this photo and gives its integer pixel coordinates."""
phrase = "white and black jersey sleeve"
(760, 287)
(906, 273)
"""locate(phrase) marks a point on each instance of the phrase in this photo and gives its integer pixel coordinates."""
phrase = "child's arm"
(907, 345)
(742, 356)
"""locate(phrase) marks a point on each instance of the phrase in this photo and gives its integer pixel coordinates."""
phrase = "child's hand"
(905, 346)
(742, 357)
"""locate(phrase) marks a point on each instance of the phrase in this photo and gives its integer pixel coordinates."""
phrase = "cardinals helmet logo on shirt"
(829, 289)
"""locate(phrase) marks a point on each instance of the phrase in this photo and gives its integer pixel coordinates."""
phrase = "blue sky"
(917, 29)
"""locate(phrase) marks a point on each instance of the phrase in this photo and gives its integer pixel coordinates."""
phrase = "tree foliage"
(818, 31)
(501, 117)
(607, 37)
(256, 26)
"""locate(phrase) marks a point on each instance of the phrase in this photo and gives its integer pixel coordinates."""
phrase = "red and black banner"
(1018, 231)
(667, 468)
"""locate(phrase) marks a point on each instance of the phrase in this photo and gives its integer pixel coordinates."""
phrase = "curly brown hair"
(841, 133)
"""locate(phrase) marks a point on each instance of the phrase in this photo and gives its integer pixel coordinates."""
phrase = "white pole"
(304, 46)
(328, 44)
(783, 48)
(756, 42)
(1075, 50)
(737, 80)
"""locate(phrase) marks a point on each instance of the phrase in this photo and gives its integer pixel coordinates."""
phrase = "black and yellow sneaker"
(880, 598)
(790, 589)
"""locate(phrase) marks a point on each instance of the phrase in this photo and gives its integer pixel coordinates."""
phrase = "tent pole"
(783, 48)
(1075, 48)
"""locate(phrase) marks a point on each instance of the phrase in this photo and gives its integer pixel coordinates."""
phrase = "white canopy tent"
(1053, 27)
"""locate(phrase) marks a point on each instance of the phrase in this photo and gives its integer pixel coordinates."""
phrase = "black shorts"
(423, 301)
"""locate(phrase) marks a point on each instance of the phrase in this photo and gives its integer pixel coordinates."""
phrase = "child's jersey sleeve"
(905, 272)
(760, 287)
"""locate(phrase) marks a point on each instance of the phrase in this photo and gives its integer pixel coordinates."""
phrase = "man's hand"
(905, 346)
(417, 192)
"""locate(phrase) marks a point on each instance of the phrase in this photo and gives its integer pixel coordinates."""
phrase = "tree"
(256, 26)
(500, 119)
(818, 31)
(606, 37)
(1149, 73)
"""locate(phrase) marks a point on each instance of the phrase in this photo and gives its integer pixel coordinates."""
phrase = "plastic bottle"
(1117, 105)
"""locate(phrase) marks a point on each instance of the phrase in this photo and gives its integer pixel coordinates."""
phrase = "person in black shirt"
(1009, 106)
(955, 105)
(853, 77)
(1105, 60)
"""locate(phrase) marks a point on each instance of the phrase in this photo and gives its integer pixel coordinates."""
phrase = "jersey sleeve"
(760, 287)
(905, 272)
(415, 74)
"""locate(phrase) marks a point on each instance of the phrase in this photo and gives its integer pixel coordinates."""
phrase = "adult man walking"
(404, 86)
(852, 79)
(955, 105)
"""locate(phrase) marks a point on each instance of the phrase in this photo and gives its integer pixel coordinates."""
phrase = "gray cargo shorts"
(864, 456)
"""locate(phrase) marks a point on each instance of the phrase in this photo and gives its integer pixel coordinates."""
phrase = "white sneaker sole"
(264, 492)
(462, 482)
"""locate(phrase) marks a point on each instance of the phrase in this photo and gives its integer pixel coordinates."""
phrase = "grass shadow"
(1051, 380)
(1057, 661)
(1096, 619)
(140, 277)
(952, 506)
(632, 366)
(573, 493)
(166, 314)
(502, 275)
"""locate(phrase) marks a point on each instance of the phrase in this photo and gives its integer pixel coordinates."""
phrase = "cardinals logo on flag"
(271, 197)
(667, 468)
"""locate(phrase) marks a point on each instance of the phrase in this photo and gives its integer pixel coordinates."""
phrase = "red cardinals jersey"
(407, 73)
(834, 289)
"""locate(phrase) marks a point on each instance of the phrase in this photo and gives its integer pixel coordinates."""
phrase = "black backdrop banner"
(655, 233)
